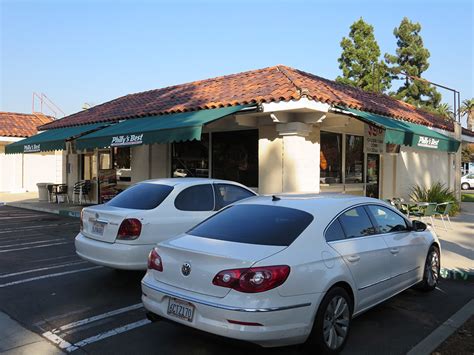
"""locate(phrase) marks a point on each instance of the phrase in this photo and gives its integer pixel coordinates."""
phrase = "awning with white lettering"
(155, 129)
(53, 139)
(406, 133)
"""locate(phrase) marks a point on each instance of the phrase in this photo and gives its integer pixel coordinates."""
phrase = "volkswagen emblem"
(186, 269)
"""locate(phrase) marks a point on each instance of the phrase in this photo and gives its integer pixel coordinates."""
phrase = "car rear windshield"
(141, 196)
(255, 224)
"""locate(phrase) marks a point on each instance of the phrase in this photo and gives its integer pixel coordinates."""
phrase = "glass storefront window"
(191, 159)
(331, 158)
(354, 168)
(235, 156)
(122, 166)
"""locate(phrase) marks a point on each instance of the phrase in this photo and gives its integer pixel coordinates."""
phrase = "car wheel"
(465, 186)
(432, 270)
(332, 323)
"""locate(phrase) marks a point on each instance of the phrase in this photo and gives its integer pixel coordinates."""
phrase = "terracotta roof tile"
(21, 124)
(272, 84)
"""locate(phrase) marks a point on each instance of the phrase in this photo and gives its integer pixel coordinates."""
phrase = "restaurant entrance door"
(373, 175)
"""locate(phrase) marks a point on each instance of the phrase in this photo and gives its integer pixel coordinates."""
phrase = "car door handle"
(394, 251)
(353, 258)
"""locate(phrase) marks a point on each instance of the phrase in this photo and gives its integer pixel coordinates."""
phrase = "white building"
(21, 172)
(276, 129)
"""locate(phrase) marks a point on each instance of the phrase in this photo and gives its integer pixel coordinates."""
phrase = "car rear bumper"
(281, 325)
(114, 255)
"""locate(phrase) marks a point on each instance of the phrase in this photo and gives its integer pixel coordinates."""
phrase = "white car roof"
(188, 181)
(317, 204)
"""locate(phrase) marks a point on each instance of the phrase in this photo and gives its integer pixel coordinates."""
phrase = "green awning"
(53, 139)
(155, 129)
(407, 133)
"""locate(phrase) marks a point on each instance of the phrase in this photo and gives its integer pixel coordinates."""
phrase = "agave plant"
(438, 193)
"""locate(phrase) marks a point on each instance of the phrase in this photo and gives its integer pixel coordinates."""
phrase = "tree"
(467, 109)
(445, 110)
(412, 58)
(359, 60)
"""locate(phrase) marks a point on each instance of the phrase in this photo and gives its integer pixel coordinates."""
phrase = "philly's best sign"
(428, 142)
(31, 148)
(129, 139)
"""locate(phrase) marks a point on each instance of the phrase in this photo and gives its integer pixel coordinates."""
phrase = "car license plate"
(180, 309)
(98, 228)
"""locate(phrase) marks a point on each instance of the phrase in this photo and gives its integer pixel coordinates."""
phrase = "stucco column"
(289, 158)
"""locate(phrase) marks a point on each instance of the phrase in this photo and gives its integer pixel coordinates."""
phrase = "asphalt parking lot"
(86, 308)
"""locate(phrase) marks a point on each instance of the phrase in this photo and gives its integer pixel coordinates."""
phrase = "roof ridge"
(283, 69)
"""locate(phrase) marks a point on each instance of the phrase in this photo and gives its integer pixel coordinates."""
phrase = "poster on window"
(107, 184)
(374, 137)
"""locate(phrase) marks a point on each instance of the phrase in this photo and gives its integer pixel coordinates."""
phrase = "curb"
(67, 213)
(440, 334)
(457, 274)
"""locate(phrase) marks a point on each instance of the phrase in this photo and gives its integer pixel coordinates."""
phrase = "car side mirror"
(418, 226)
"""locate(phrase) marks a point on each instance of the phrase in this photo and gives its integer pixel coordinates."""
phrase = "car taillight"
(130, 229)
(254, 279)
(154, 261)
(81, 222)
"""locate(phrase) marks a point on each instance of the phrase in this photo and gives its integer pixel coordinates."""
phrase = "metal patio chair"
(425, 210)
(61, 190)
(443, 210)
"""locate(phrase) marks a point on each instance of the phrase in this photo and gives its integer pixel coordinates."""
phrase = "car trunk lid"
(206, 258)
(102, 222)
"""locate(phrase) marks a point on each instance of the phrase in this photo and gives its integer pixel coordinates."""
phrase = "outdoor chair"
(425, 210)
(61, 190)
(443, 210)
(50, 189)
(399, 204)
(81, 190)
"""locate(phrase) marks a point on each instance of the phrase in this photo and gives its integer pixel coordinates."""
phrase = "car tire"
(431, 273)
(465, 186)
(333, 318)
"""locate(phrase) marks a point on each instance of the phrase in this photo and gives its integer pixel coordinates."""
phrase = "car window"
(470, 176)
(142, 196)
(227, 194)
(195, 198)
(388, 221)
(356, 223)
(334, 232)
(255, 224)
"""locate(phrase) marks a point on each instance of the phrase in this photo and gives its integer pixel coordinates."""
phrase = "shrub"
(438, 193)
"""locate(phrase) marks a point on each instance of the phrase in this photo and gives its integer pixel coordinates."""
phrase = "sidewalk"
(16, 340)
(457, 244)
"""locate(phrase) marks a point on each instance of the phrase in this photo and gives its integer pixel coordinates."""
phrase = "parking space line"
(48, 276)
(63, 344)
(41, 269)
(97, 317)
(28, 243)
(37, 246)
(108, 334)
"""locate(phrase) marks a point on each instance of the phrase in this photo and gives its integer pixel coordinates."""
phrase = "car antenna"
(275, 198)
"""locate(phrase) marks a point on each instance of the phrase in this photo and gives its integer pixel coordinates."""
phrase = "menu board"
(374, 139)
(107, 184)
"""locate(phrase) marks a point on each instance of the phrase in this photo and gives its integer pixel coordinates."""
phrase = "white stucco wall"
(140, 163)
(421, 167)
(21, 172)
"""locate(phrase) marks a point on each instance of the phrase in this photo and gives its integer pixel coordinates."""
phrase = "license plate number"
(98, 228)
(180, 309)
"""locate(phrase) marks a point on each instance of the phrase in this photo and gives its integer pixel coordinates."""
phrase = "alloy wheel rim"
(432, 268)
(336, 322)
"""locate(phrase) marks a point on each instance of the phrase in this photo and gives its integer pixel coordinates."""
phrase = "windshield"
(255, 224)
(142, 196)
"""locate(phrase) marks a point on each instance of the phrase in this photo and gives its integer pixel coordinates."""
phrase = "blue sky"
(95, 51)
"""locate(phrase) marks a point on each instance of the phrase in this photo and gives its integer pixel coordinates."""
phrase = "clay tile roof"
(14, 124)
(467, 132)
(272, 84)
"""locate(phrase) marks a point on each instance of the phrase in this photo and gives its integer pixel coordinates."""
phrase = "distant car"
(121, 233)
(283, 270)
(467, 181)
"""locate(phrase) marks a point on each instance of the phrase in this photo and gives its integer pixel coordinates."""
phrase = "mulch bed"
(460, 342)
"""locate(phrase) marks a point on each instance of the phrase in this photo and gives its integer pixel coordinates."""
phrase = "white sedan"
(121, 233)
(289, 269)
